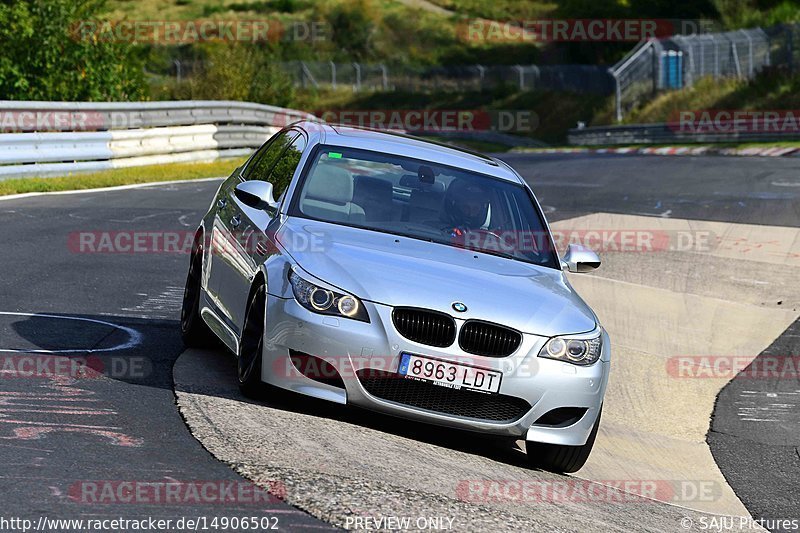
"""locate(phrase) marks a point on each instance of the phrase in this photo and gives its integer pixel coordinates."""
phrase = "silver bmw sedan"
(403, 276)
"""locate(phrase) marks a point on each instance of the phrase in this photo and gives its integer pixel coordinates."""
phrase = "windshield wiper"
(497, 253)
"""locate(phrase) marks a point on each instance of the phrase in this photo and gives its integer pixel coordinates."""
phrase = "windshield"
(424, 200)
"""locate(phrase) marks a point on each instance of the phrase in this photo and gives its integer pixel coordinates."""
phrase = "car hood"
(400, 271)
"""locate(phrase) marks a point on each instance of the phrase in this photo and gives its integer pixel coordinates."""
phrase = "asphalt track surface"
(128, 427)
(65, 437)
(749, 190)
(759, 456)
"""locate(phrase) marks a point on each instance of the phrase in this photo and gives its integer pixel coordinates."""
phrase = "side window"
(265, 158)
(284, 169)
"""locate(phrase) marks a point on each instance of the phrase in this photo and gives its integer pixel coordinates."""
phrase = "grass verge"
(773, 89)
(120, 176)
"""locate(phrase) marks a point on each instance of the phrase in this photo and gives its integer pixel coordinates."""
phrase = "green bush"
(749, 13)
(353, 25)
(46, 56)
(241, 72)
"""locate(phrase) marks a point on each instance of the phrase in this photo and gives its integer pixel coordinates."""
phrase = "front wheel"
(252, 344)
(559, 458)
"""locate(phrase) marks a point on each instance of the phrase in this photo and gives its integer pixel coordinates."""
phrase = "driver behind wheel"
(466, 206)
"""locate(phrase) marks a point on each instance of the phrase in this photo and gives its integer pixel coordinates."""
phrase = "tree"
(49, 52)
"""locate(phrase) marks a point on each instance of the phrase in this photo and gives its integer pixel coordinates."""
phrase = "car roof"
(406, 145)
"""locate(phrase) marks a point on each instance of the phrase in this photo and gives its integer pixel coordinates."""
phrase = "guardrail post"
(692, 68)
(702, 59)
(655, 60)
(384, 77)
(736, 62)
(521, 77)
(617, 94)
(177, 63)
(751, 70)
(357, 68)
(333, 75)
(308, 75)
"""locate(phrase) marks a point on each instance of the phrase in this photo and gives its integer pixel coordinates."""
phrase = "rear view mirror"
(425, 174)
(579, 259)
(257, 194)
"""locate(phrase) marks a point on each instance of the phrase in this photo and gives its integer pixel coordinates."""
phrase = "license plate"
(452, 375)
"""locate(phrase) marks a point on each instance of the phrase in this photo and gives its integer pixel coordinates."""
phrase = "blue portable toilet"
(672, 69)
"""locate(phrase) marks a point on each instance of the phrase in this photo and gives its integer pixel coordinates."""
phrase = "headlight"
(575, 349)
(325, 301)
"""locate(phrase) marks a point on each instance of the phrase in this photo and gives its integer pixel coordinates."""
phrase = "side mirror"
(257, 194)
(579, 259)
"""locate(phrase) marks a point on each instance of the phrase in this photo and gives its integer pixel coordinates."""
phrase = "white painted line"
(108, 189)
(134, 337)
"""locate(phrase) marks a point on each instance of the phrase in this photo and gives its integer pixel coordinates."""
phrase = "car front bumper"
(351, 346)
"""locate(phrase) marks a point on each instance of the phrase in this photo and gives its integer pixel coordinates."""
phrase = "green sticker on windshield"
(334, 155)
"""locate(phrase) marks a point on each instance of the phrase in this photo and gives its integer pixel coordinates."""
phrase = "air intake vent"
(458, 402)
(490, 340)
(316, 368)
(425, 327)
(561, 417)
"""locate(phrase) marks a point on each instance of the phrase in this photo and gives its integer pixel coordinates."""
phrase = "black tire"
(558, 458)
(252, 345)
(194, 331)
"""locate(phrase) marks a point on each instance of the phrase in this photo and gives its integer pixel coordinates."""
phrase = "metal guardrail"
(63, 137)
(668, 133)
(130, 115)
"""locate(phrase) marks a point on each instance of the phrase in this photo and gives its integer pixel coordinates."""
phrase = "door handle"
(235, 221)
(221, 203)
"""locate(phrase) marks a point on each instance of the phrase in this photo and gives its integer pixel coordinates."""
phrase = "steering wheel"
(477, 239)
(486, 232)
(462, 232)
